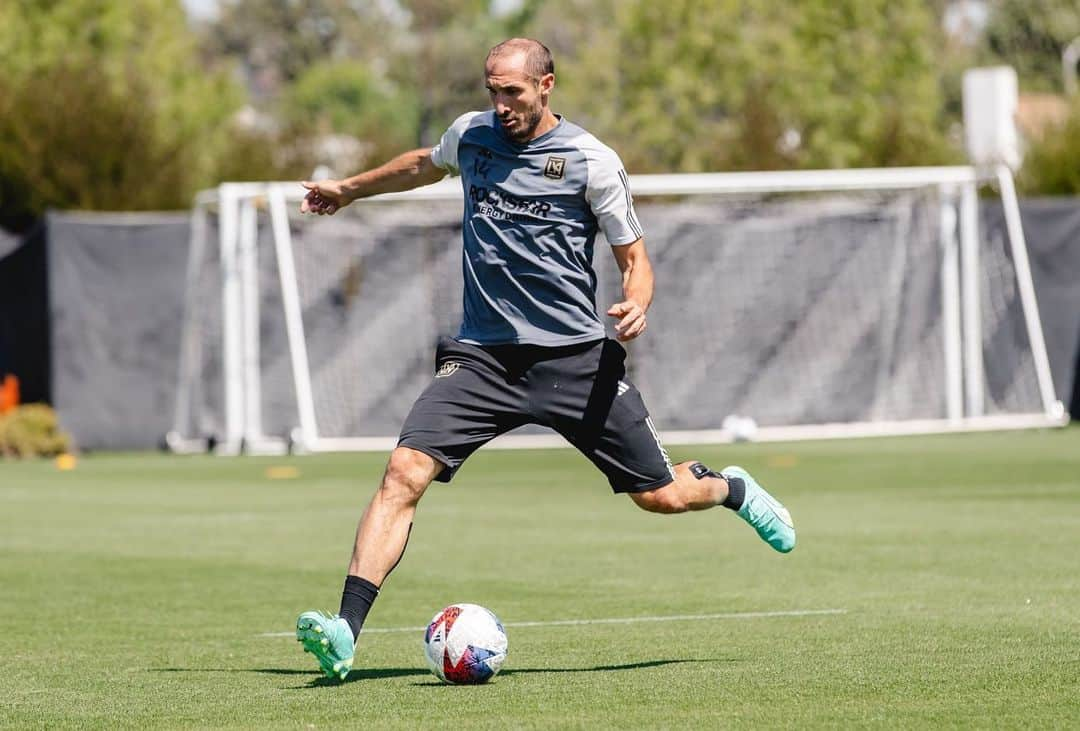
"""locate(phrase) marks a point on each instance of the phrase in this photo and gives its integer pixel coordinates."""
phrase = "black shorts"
(580, 391)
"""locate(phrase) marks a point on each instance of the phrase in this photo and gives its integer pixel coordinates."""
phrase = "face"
(519, 100)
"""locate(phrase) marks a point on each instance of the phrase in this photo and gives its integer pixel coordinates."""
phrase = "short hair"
(538, 60)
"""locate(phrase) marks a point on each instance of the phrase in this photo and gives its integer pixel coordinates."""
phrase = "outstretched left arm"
(637, 278)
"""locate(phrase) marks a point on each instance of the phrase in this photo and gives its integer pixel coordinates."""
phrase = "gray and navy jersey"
(532, 212)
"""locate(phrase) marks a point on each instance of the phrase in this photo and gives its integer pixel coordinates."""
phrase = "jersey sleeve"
(445, 154)
(608, 193)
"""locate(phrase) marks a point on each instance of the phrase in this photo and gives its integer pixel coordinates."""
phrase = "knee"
(408, 473)
(661, 500)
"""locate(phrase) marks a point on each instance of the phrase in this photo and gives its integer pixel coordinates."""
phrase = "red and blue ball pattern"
(465, 644)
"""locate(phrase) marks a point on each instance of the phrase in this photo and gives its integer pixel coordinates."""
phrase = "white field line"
(613, 620)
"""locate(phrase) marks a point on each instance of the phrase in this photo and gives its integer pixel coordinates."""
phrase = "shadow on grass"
(358, 674)
(607, 668)
(381, 673)
(594, 669)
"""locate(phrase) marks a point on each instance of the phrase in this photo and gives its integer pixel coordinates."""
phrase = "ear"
(547, 83)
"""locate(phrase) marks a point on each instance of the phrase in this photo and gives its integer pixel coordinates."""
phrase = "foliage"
(31, 430)
(392, 75)
(1052, 161)
(1030, 36)
(110, 104)
(341, 97)
(699, 85)
(442, 58)
(277, 41)
(102, 106)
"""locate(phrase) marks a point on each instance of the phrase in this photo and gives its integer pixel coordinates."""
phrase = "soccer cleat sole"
(314, 640)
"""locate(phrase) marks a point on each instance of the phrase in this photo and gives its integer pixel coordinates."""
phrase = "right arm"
(406, 171)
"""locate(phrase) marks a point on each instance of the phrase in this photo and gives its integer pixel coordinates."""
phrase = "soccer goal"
(809, 304)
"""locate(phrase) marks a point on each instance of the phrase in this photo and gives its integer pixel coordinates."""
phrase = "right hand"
(325, 197)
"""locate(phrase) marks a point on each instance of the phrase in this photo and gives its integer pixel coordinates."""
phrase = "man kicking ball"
(532, 347)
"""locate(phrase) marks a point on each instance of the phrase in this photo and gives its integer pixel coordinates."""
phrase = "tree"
(1030, 36)
(442, 57)
(276, 41)
(1052, 161)
(342, 97)
(423, 56)
(104, 106)
(691, 85)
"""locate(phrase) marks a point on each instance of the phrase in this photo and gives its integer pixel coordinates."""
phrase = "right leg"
(380, 542)
(470, 400)
(384, 528)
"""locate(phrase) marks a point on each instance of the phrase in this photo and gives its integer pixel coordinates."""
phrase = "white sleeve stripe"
(630, 208)
(631, 217)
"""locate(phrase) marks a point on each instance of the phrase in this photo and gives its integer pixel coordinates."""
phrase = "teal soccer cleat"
(329, 639)
(769, 518)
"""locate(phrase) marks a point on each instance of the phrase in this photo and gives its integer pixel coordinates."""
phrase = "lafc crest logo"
(555, 168)
(447, 369)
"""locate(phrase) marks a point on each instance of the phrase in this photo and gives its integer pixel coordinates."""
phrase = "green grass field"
(149, 591)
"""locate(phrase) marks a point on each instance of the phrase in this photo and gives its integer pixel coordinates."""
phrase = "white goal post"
(810, 304)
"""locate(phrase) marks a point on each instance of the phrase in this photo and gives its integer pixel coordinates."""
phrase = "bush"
(32, 430)
(1052, 162)
(105, 106)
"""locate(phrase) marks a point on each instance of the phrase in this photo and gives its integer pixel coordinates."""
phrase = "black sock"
(356, 600)
(736, 492)
(736, 487)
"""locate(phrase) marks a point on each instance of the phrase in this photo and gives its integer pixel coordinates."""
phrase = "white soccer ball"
(741, 428)
(465, 644)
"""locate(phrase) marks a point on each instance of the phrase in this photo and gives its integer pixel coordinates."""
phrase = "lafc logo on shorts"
(447, 369)
(555, 168)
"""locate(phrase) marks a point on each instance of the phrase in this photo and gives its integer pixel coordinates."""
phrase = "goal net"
(789, 305)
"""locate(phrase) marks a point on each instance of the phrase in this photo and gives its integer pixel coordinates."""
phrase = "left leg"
(696, 487)
(586, 398)
(685, 492)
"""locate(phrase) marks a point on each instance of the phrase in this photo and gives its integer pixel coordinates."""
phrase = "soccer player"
(532, 347)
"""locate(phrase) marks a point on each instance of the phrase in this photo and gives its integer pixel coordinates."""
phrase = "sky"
(201, 8)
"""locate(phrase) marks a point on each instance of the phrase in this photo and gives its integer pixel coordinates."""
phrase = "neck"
(547, 123)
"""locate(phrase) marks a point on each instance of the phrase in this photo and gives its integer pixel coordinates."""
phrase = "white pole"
(950, 307)
(232, 325)
(249, 284)
(971, 312)
(1069, 58)
(188, 370)
(1027, 291)
(294, 321)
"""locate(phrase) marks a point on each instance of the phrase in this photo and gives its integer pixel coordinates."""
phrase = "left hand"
(631, 320)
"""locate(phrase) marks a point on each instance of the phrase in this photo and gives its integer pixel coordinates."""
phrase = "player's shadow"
(363, 674)
(594, 669)
(360, 674)
(317, 682)
(606, 668)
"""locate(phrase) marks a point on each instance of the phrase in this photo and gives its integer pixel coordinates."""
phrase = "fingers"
(628, 329)
(632, 321)
(314, 202)
(322, 198)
